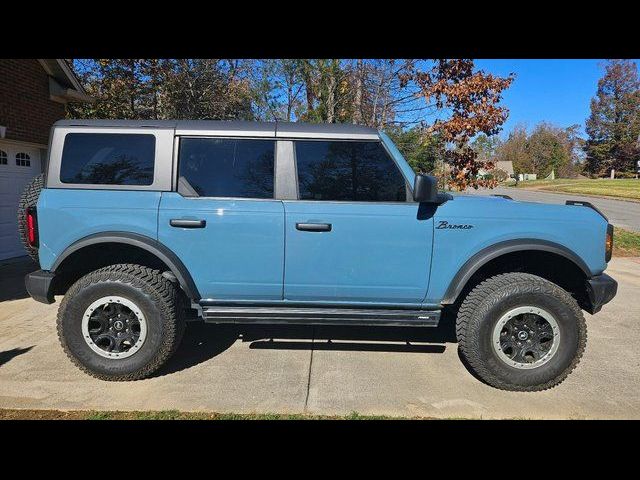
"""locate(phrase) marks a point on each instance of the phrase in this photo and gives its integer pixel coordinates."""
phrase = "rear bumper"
(39, 285)
(601, 289)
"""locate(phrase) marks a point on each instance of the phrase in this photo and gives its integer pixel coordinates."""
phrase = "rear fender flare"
(154, 247)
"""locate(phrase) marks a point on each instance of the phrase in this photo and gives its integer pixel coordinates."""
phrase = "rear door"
(223, 221)
(353, 236)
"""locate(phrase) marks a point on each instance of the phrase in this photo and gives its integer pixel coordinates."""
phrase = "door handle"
(184, 223)
(313, 227)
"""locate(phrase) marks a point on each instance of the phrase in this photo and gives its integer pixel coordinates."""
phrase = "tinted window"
(348, 171)
(216, 167)
(108, 159)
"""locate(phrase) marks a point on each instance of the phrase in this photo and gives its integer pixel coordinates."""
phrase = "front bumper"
(601, 289)
(40, 285)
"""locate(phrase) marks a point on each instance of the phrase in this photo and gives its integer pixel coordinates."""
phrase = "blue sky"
(557, 91)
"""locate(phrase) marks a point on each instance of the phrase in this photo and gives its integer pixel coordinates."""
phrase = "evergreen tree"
(614, 125)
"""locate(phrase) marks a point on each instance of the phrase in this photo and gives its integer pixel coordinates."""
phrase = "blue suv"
(143, 224)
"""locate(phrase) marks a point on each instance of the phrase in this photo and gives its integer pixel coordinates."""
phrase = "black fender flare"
(154, 247)
(473, 264)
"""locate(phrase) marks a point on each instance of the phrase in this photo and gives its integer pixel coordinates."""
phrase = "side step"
(320, 316)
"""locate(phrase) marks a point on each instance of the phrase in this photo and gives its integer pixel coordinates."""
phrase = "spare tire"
(28, 199)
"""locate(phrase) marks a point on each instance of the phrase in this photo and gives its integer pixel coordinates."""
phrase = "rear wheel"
(121, 322)
(521, 332)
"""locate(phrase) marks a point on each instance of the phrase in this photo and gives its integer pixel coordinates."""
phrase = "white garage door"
(18, 165)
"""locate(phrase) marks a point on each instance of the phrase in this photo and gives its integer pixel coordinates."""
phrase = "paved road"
(621, 213)
(403, 372)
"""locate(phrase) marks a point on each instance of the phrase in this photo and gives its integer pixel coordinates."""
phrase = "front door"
(223, 222)
(353, 236)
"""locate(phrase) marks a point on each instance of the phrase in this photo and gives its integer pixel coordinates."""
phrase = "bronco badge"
(444, 224)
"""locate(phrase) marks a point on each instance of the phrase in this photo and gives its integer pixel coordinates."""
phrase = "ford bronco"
(142, 225)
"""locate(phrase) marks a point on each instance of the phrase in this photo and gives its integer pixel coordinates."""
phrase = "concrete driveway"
(400, 372)
(621, 213)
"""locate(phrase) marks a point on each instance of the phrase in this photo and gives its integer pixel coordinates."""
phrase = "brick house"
(33, 94)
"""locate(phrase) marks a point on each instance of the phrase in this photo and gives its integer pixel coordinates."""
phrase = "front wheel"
(521, 332)
(121, 322)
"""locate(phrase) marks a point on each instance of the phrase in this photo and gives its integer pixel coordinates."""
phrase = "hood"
(486, 206)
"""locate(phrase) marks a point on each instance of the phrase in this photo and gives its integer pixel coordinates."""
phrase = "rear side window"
(218, 167)
(108, 159)
(348, 171)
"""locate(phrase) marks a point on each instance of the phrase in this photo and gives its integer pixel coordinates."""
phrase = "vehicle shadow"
(12, 278)
(202, 341)
(348, 338)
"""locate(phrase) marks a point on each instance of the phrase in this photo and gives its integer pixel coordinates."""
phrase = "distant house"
(505, 166)
(33, 94)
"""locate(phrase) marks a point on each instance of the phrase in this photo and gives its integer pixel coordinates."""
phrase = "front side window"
(348, 171)
(219, 167)
(3, 157)
(108, 158)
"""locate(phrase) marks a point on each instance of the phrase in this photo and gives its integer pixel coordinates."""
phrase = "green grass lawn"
(622, 188)
(625, 243)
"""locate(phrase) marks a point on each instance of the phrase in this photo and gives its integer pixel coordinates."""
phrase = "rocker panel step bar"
(321, 316)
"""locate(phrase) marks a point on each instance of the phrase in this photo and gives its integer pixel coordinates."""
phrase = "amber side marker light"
(608, 243)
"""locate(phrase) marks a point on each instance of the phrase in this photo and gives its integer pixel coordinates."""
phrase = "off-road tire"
(158, 298)
(488, 301)
(29, 198)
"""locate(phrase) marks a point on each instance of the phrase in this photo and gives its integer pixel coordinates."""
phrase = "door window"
(348, 171)
(218, 167)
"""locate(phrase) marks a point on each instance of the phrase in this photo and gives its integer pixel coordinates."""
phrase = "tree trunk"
(308, 85)
(331, 98)
(357, 104)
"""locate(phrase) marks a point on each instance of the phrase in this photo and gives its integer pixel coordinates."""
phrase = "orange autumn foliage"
(473, 100)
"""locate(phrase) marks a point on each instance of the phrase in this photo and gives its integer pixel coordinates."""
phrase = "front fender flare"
(487, 254)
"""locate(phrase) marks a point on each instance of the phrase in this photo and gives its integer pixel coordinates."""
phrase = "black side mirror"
(425, 189)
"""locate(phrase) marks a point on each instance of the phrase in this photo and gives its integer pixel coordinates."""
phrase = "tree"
(614, 124)
(277, 89)
(164, 88)
(327, 94)
(547, 148)
(207, 89)
(472, 99)
(485, 147)
(515, 149)
(422, 151)
(388, 94)
(116, 86)
(369, 92)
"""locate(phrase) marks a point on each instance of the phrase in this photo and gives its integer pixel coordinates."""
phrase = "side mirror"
(425, 189)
